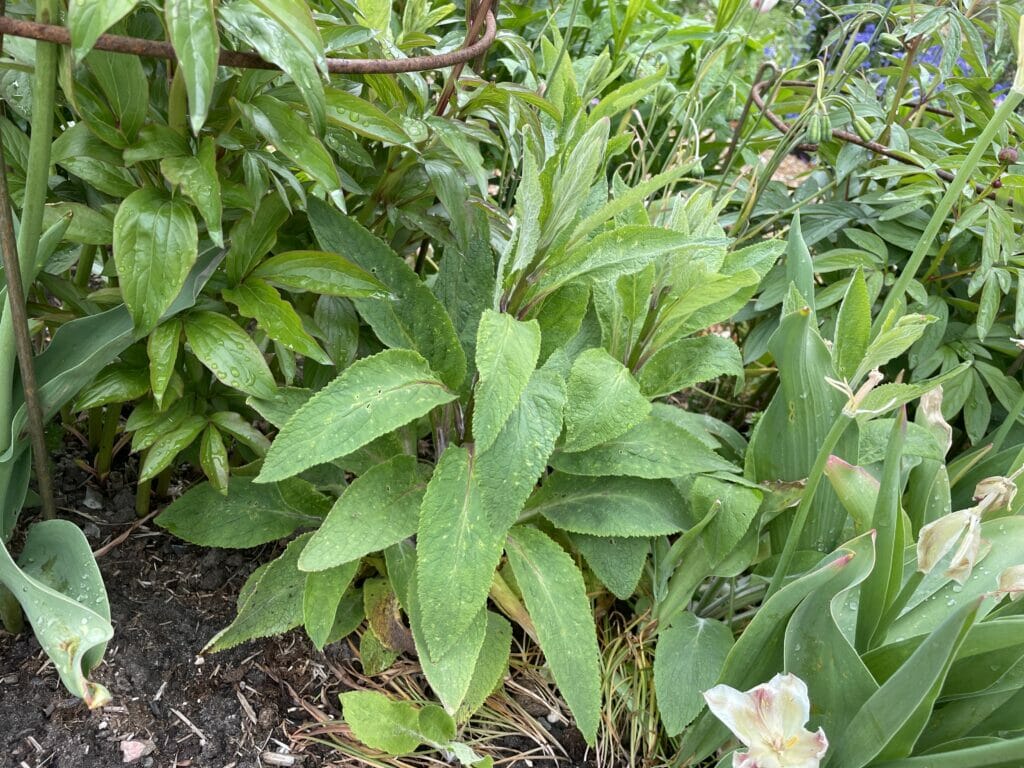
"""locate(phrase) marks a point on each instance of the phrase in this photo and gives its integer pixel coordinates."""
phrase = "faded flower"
(770, 720)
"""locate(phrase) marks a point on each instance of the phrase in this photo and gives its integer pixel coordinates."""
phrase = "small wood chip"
(192, 726)
(275, 758)
(246, 706)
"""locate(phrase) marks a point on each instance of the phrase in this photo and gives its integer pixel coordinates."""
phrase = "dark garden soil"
(173, 708)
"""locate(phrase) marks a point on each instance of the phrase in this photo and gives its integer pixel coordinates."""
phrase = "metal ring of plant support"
(245, 60)
(837, 133)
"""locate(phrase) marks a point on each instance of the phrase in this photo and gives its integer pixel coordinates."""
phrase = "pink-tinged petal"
(737, 711)
(807, 751)
(966, 554)
(1011, 582)
(792, 705)
(937, 538)
(762, 757)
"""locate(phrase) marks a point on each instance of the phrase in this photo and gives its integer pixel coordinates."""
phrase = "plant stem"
(931, 232)
(83, 271)
(803, 510)
(163, 482)
(15, 312)
(105, 452)
(37, 178)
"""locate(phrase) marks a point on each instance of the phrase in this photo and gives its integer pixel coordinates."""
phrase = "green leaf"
(892, 342)
(621, 251)
(213, 458)
(786, 438)
(609, 506)
(506, 354)
(278, 44)
(248, 516)
(739, 505)
(115, 384)
(240, 429)
(60, 588)
(192, 28)
(372, 397)
(162, 349)
(258, 300)
(88, 19)
(270, 602)
(556, 597)
(653, 449)
(937, 596)
(87, 224)
(686, 362)
(79, 151)
(252, 236)
(449, 676)
(289, 134)
(603, 401)
(321, 597)
(617, 562)
(167, 447)
(319, 272)
(363, 118)
(799, 268)
(455, 551)
(883, 583)
(295, 18)
(155, 246)
(819, 653)
(687, 661)
(378, 509)
(411, 316)
(114, 102)
(395, 727)
(890, 721)
(758, 652)
(491, 665)
(853, 327)
(500, 482)
(509, 470)
(230, 354)
(198, 179)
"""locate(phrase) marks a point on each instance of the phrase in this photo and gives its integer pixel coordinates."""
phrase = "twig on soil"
(122, 537)
(192, 727)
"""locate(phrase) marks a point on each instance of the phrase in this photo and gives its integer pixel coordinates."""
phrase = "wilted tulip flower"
(770, 720)
(999, 491)
(1011, 582)
(937, 538)
(931, 414)
(854, 400)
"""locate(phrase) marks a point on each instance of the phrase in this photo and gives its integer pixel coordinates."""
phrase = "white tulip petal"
(736, 710)
(808, 751)
(793, 704)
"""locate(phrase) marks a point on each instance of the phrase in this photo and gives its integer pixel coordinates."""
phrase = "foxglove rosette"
(769, 719)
